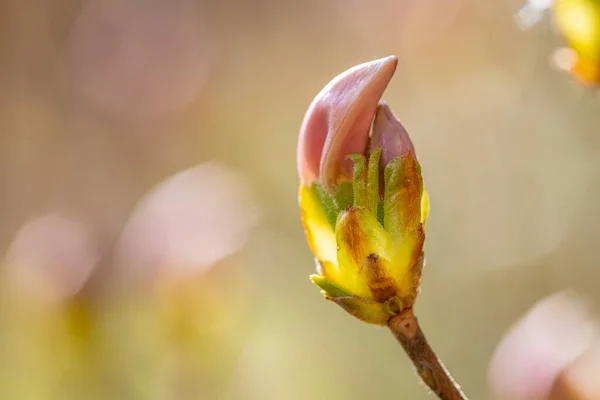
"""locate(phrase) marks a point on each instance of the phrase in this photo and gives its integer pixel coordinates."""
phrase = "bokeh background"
(148, 207)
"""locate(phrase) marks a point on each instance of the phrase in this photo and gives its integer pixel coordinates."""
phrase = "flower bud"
(361, 196)
(337, 122)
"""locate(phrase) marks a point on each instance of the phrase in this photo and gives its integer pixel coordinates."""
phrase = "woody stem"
(407, 331)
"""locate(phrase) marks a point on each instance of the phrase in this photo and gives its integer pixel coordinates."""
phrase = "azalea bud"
(361, 196)
(337, 122)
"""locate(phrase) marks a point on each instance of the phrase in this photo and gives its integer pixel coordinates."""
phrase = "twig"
(408, 332)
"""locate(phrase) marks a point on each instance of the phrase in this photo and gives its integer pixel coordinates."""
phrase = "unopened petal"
(390, 135)
(338, 121)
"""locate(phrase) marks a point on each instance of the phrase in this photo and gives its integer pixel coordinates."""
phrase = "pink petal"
(338, 121)
(390, 135)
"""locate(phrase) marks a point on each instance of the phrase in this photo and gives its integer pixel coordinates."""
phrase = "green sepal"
(329, 207)
(402, 196)
(380, 213)
(365, 310)
(329, 288)
(344, 196)
(359, 180)
(373, 181)
(332, 205)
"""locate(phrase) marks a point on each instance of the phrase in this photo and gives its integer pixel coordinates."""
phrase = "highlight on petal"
(338, 121)
(319, 233)
(424, 206)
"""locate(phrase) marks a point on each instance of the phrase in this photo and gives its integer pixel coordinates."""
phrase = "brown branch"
(408, 332)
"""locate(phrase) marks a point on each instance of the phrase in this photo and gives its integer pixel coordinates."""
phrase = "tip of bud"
(338, 121)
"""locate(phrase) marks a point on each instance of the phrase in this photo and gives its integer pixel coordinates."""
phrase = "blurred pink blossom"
(188, 223)
(539, 347)
(51, 257)
(580, 380)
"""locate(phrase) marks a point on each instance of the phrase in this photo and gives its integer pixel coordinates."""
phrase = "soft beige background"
(103, 100)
